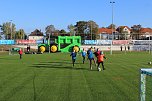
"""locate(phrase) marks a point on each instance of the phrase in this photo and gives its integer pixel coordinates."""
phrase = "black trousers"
(83, 59)
(92, 59)
(73, 61)
(102, 65)
(20, 56)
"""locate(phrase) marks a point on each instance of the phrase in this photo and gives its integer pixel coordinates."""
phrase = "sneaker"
(99, 69)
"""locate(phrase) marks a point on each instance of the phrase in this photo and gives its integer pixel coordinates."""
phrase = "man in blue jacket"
(83, 53)
(91, 57)
(73, 55)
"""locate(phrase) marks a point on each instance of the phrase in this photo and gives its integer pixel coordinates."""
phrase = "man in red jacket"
(100, 59)
(20, 52)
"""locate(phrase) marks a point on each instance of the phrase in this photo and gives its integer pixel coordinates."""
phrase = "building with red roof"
(105, 33)
(145, 32)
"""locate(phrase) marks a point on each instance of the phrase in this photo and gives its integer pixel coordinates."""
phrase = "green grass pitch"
(51, 77)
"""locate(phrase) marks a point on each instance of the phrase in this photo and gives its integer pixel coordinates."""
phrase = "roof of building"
(145, 30)
(105, 31)
(122, 27)
(36, 33)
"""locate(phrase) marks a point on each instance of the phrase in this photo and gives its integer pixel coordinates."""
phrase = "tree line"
(85, 29)
(9, 31)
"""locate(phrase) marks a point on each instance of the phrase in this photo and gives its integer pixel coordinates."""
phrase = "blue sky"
(32, 14)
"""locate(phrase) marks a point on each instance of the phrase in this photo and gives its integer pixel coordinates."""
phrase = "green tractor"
(61, 44)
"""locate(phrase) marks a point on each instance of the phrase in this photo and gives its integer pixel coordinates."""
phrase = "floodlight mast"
(112, 2)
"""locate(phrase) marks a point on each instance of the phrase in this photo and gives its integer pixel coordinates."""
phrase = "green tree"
(1, 32)
(112, 26)
(136, 28)
(136, 31)
(20, 34)
(62, 31)
(9, 30)
(81, 26)
(50, 29)
(71, 28)
(93, 29)
(86, 29)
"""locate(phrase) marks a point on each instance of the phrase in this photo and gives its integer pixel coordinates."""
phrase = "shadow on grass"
(7, 59)
(58, 65)
(62, 62)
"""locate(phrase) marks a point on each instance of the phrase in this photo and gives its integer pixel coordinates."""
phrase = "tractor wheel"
(54, 48)
(42, 49)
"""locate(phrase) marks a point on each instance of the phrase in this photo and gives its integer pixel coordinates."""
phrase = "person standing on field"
(83, 53)
(91, 57)
(98, 52)
(28, 48)
(20, 52)
(128, 48)
(100, 59)
(121, 47)
(73, 55)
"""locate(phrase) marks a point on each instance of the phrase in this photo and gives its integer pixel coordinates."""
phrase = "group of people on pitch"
(90, 53)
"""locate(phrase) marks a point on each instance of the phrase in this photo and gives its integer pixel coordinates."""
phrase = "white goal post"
(144, 72)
